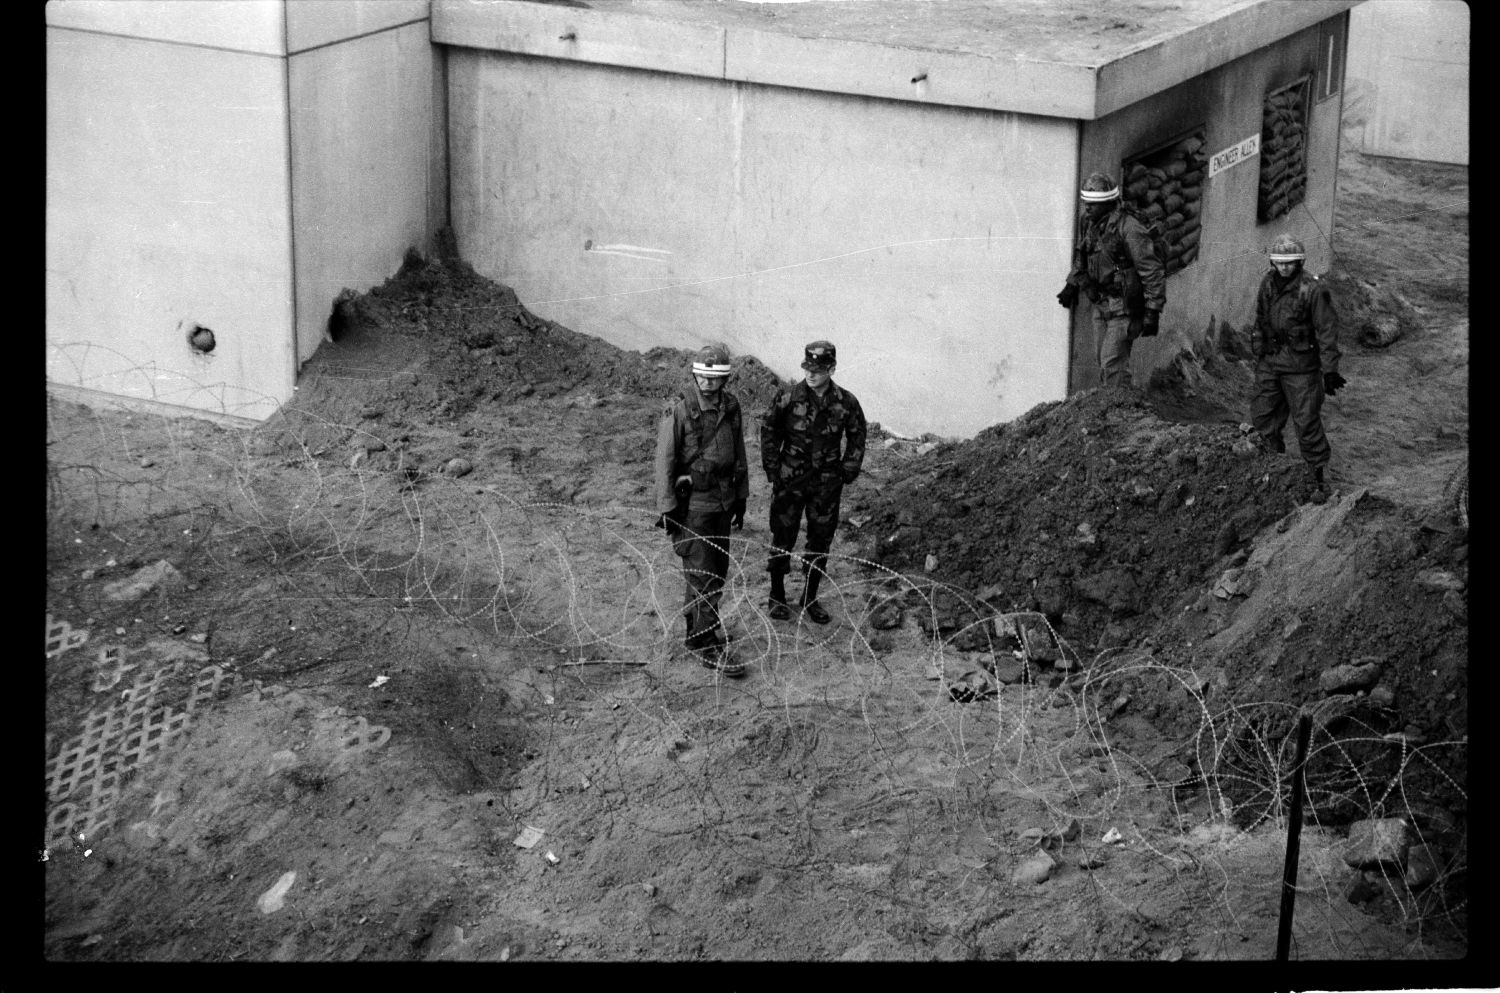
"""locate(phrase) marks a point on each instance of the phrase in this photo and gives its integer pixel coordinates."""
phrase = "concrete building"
(900, 177)
(229, 165)
(1409, 79)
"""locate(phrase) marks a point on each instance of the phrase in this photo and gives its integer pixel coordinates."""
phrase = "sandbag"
(1188, 146)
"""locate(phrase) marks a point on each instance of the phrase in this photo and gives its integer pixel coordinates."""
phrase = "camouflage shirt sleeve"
(854, 438)
(668, 444)
(1325, 322)
(1150, 268)
(1078, 274)
(1259, 332)
(741, 461)
(773, 434)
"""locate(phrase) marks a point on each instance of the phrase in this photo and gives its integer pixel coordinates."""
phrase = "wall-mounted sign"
(1234, 154)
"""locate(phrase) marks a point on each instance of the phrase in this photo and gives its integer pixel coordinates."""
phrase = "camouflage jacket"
(1115, 264)
(708, 445)
(1295, 319)
(807, 442)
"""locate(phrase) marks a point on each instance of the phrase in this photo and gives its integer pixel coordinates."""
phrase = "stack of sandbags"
(1167, 187)
(1283, 154)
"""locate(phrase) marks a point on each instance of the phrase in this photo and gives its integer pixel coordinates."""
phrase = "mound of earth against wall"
(1183, 569)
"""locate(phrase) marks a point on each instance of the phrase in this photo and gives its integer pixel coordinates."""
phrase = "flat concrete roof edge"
(1069, 89)
(1160, 65)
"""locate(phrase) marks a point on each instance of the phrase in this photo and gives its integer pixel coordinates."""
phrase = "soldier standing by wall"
(1295, 341)
(702, 482)
(812, 444)
(1115, 264)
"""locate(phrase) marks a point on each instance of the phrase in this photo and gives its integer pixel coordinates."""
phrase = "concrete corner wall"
(652, 208)
(1409, 79)
(367, 162)
(230, 164)
(168, 202)
(1220, 285)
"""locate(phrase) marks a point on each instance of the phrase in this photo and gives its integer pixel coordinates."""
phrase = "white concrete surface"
(197, 175)
(361, 143)
(167, 203)
(313, 23)
(1079, 59)
(648, 209)
(1408, 79)
(256, 26)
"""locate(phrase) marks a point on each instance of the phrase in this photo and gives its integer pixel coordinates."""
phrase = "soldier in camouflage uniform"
(812, 443)
(702, 482)
(1116, 266)
(1295, 340)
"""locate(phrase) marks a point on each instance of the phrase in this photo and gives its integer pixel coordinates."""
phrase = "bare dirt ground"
(409, 686)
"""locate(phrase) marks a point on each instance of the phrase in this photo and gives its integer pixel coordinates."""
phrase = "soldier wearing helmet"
(1115, 265)
(702, 482)
(812, 443)
(1296, 346)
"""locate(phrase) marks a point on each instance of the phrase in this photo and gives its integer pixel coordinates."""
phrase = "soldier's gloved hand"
(1069, 296)
(1333, 382)
(670, 526)
(1151, 324)
(737, 515)
(848, 475)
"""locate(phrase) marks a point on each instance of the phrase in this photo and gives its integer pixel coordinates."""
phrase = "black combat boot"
(1319, 489)
(810, 605)
(718, 657)
(1270, 446)
(779, 609)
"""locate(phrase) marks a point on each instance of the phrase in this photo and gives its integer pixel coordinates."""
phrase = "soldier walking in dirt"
(702, 482)
(1116, 265)
(812, 444)
(1295, 341)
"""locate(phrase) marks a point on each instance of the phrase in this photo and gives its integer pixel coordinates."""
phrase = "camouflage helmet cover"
(819, 355)
(1287, 249)
(1099, 188)
(712, 361)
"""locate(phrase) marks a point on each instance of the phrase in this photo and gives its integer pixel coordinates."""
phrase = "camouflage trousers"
(1112, 334)
(788, 507)
(704, 548)
(1299, 395)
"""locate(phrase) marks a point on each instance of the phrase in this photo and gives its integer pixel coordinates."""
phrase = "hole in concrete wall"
(200, 339)
(343, 317)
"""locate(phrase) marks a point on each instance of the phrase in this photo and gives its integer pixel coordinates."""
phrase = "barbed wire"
(842, 727)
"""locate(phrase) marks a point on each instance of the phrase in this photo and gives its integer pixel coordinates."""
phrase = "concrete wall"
(367, 168)
(231, 164)
(168, 202)
(1220, 284)
(1409, 79)
(650, 208)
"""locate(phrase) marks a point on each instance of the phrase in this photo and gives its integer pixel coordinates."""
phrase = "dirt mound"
(486, 348)
(1094, 511)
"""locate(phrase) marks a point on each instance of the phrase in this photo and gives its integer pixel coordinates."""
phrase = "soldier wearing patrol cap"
(812, 443)
(1295, 340)
(702, 482)
(1115, 265)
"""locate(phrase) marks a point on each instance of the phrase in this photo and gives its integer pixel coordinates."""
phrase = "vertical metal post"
(1293, 836)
